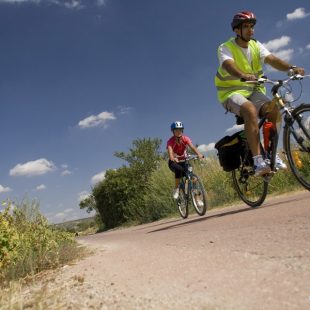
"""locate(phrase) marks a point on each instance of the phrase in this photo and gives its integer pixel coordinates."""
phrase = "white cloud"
(98, 177)
(276, 44)
(73, 4)
(69, 4)
(4, 189)
(97, 120)
(285, 54)
(66, 172)
(19, 1)
(31, 168)
(308, 46)
(41, 187)
(206, 148)
(83, 195)
(124, 110)
(101, 2)
(234, 128)
(297, 14)
(61, 217)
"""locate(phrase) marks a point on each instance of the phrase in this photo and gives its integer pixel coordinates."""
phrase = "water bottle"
(268, 131)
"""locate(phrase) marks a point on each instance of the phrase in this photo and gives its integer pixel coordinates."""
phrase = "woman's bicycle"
(296, 143)
(191, 188)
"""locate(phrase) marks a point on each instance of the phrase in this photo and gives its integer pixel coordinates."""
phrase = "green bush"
(28, 244)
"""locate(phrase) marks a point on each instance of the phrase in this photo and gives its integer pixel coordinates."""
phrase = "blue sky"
(81, 79)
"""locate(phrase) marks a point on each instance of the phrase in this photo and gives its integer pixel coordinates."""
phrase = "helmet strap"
(241, 36)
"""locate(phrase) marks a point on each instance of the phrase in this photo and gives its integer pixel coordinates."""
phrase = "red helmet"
(243, 17)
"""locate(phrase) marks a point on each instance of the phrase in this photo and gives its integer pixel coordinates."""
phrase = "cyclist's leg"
(248, 108)
(241, 106)
(178, 169)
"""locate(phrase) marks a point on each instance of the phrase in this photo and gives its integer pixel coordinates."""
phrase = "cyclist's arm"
(171, 154)
(230, 66)
(194, 149)
(282, 65)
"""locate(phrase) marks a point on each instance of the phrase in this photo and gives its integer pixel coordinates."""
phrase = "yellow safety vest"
(227, 84)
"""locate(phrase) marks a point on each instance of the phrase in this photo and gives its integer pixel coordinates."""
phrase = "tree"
(119, 198)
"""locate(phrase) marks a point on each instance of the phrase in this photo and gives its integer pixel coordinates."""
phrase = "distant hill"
(78, 226)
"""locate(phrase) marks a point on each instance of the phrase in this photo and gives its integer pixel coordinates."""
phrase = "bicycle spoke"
(252, 190)
(198, 195)
(182, 204)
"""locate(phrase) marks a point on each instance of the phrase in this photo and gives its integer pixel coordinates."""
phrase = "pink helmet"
(243, 17)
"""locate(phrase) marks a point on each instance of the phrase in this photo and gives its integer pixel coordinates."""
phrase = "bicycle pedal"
(268, 177)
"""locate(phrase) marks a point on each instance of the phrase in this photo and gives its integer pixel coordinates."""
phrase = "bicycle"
(191, 188)
(296, 143)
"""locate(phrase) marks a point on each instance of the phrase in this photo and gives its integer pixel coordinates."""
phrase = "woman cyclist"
(177, 151)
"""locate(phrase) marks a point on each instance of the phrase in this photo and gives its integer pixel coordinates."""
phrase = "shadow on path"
(205, 218)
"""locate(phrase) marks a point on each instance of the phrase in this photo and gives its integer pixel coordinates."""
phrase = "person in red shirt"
(177, 151)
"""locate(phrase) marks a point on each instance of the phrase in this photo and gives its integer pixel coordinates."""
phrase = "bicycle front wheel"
(182, 203)
(296, 136)
(198, 195)
(252, 190)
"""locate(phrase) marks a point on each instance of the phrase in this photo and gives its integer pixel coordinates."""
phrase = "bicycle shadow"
(221, 214)
(200, 219)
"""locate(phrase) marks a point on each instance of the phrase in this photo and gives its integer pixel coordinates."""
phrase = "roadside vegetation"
(29, 244)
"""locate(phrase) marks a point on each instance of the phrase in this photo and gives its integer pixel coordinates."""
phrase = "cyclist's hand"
(248, 77)
(201, 156)
(299, 70)
(175, 160)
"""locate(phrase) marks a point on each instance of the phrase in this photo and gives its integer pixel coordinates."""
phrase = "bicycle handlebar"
(192, 157)
(276, 83)
(264, 79)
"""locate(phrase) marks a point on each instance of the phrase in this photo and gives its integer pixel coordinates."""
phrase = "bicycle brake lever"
(297, 77)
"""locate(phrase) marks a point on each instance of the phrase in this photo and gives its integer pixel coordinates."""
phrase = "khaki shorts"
(234, 102)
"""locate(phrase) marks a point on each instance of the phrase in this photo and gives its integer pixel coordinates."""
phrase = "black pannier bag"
(229, 151)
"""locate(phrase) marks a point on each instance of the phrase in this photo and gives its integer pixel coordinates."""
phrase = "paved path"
(232, 258)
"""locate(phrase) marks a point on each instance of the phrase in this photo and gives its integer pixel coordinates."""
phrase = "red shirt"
(179, 149)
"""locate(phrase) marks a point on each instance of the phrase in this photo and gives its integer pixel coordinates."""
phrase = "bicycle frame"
(296, 143)
(278, 101)
(185, 181)
(191, 189)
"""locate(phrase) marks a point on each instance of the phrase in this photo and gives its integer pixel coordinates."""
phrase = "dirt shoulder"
(232, 258)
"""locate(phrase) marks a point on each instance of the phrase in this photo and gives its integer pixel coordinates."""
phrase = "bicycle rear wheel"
(252, 190)
(198, 195)
(296, 136)
(182, 203)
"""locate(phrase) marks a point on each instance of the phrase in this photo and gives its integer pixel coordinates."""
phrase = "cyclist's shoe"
(261, 169)
(175, 194)
(280, 164)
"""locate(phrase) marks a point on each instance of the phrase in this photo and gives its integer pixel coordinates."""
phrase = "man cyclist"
(177, 151)
(242, 58)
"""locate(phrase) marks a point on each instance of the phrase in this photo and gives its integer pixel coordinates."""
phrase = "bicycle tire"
(251, 189)
(198, 195)
(182, 203)
(296, 144)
